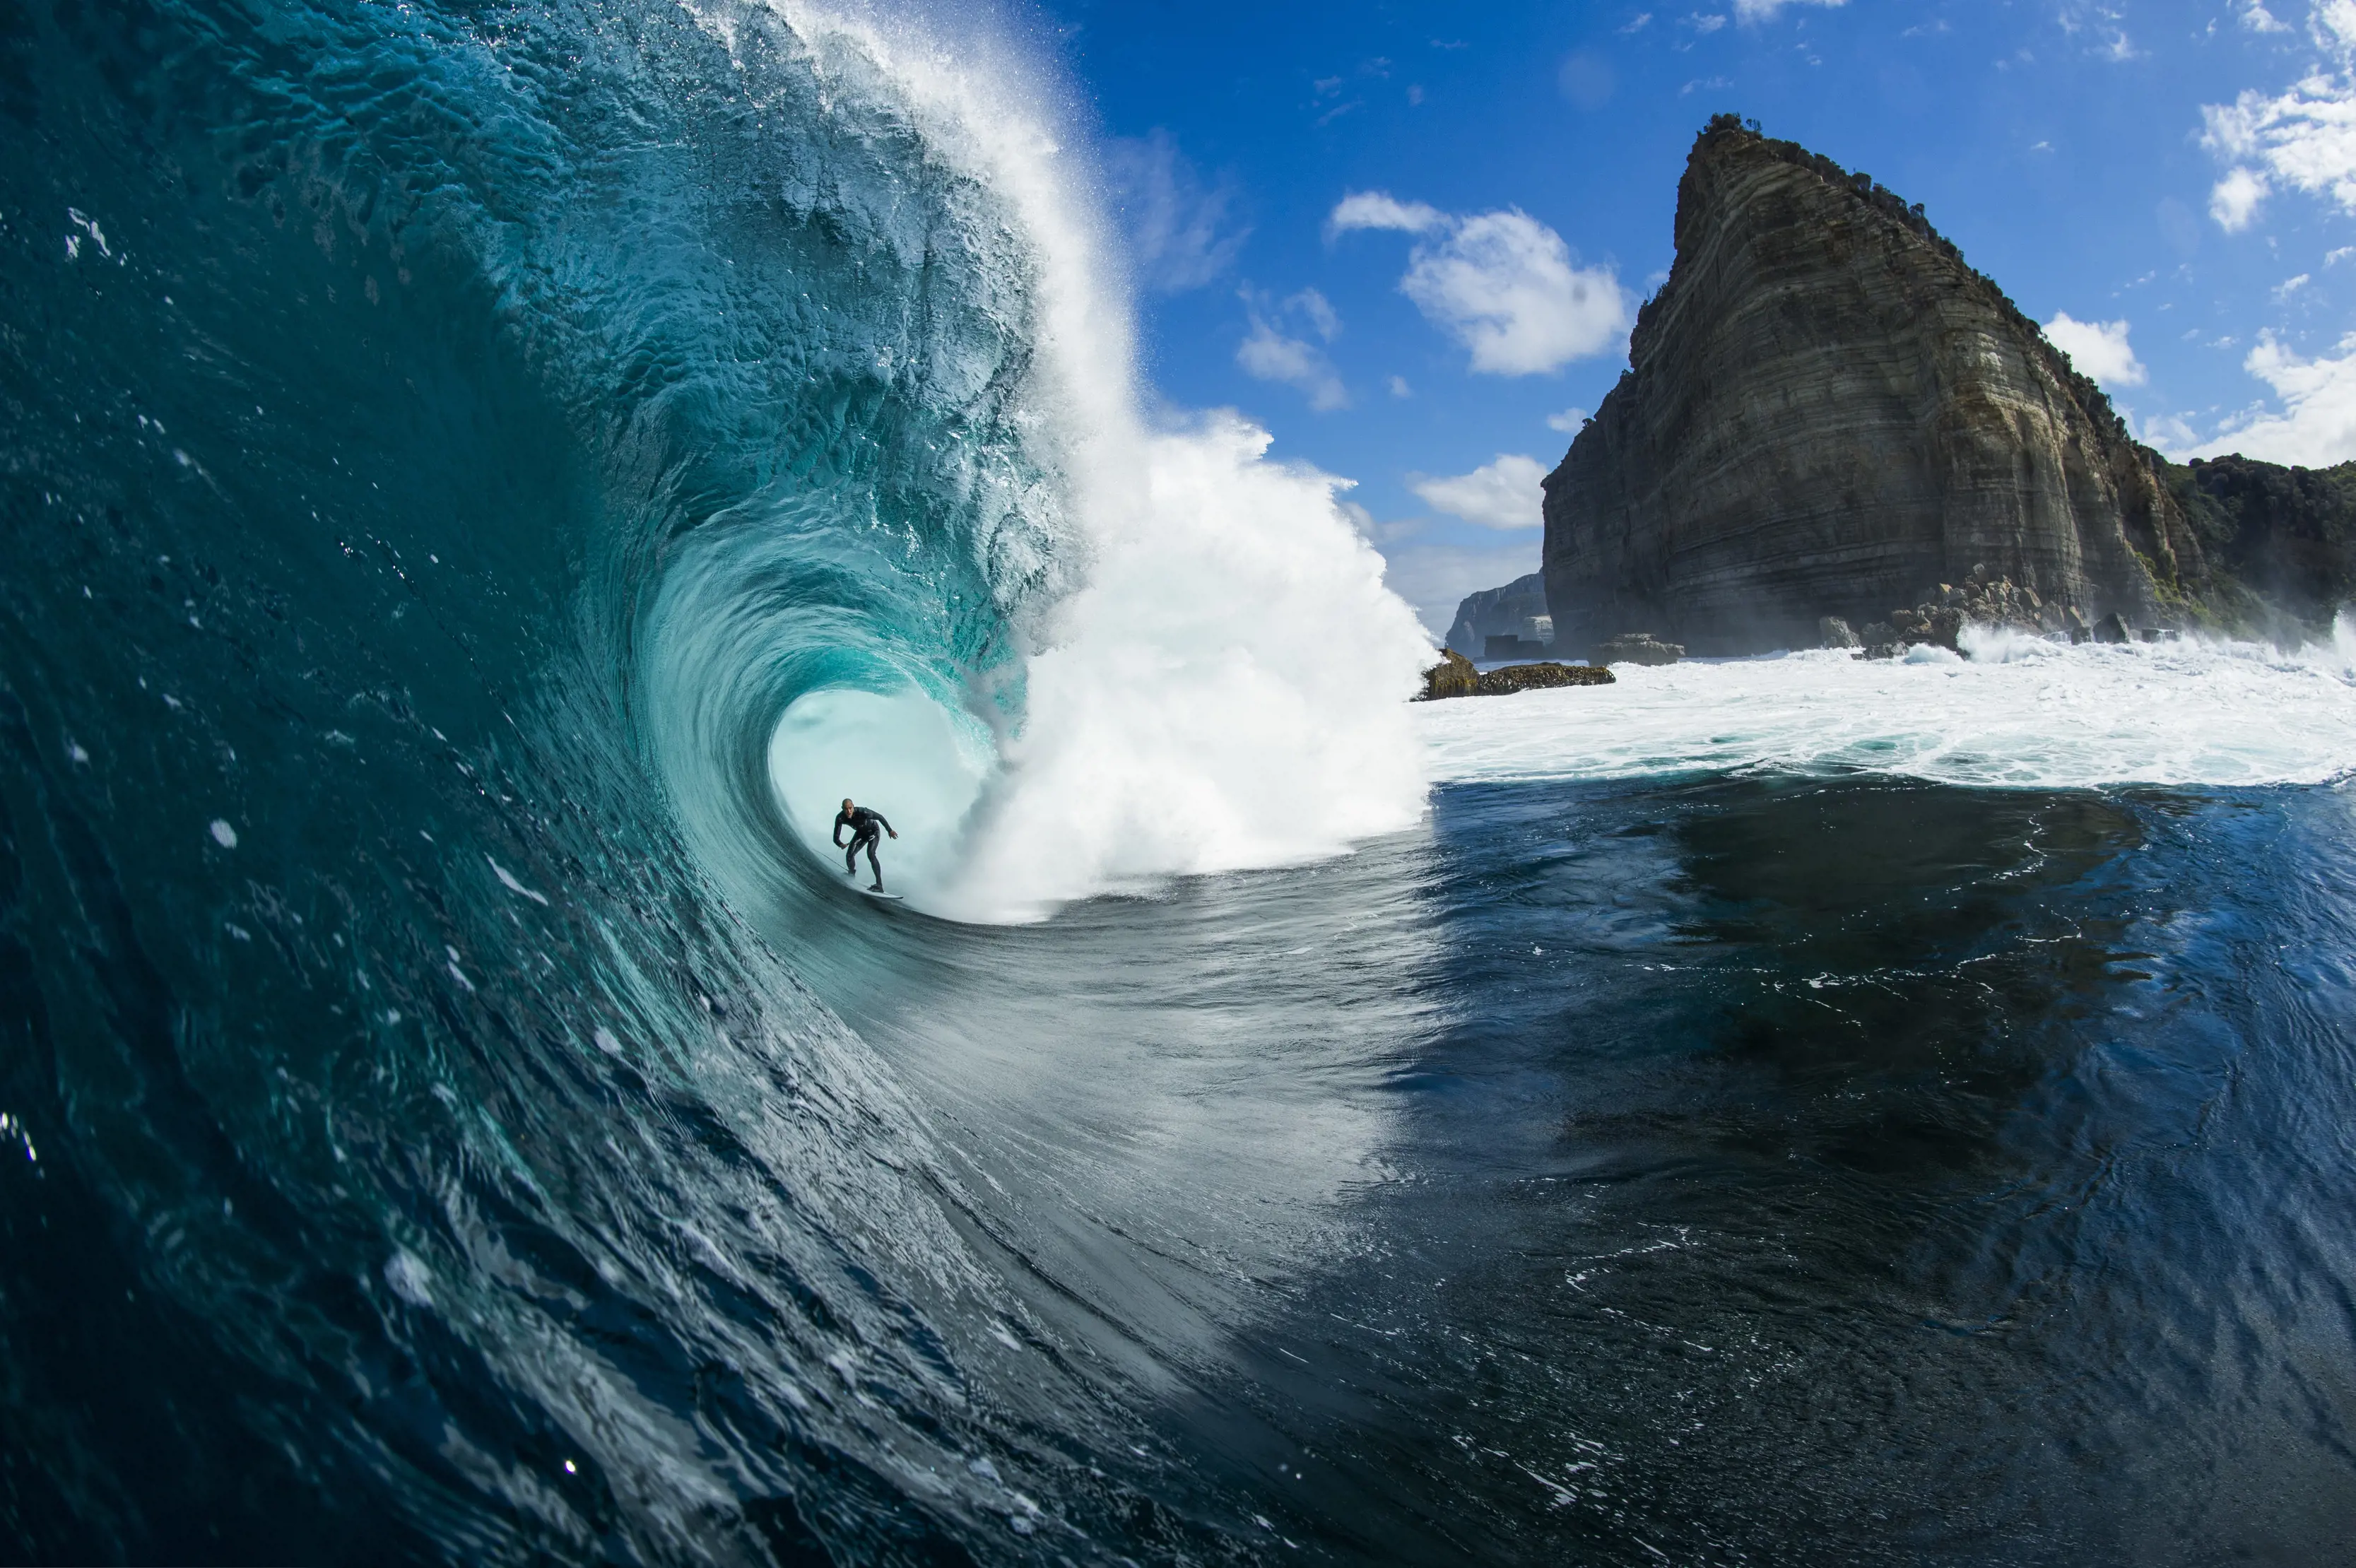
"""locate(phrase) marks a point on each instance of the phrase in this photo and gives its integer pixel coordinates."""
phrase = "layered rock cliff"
(1497, 612)
(1827, 412)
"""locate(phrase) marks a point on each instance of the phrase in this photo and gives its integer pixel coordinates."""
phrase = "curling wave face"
(485, 485)
(957, 617)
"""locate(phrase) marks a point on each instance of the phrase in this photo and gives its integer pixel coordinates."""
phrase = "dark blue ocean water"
(439, 441)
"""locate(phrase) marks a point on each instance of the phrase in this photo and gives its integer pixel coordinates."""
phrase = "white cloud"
(1500, 494)
(1764, 10)
(2289, 286)
(1567, 422)
(1319, 312)
(2171, 434)
(1269, 353)
(1400, 389)
(1503, 285)
(2304, 137)
(1178, 227)
(1637, 23)
(1705, 22)
(2100, 20)
(2258, 19)
(2235, 201)
(2317, 426)
(1378, 210)
(2098, 348)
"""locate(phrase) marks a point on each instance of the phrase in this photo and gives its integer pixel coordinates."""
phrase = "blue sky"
(1407, 239)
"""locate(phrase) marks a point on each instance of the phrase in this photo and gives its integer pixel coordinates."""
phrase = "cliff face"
(1497, 612)
(1827, 412)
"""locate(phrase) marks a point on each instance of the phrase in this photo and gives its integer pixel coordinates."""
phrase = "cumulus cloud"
(1379, 209)
(2303, 138)
(2233, 200)
(1501, 283)
(2317, 425)
(1504, 286)
(2098, 348)
(1269, 353)
(1180, 231)
(1502, 493)
(1567, 422)
(1765, 10)
(2258, 19)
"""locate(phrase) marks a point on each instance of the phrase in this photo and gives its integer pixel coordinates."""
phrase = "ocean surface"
(482, 482)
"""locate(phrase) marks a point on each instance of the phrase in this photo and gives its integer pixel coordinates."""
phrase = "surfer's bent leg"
(872, 863)
(850, 857)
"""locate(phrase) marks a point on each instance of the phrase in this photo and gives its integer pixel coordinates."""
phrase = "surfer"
(863, 824)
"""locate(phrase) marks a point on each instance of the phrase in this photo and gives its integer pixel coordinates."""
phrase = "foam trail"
(1227, 689)
(2019, 712)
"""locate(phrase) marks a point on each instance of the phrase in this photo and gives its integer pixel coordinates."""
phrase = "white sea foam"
(1227, 689)
(2018, 712)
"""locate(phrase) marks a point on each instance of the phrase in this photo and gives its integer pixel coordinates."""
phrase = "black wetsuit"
(866, 828)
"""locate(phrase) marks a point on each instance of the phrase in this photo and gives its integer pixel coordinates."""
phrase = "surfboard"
(872, 893)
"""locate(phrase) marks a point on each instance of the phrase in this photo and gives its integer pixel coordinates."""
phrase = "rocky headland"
(1507, 611)
(1828, 414)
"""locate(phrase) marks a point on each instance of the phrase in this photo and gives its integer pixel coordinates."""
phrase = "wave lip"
(1188, 661)
(2019, 712)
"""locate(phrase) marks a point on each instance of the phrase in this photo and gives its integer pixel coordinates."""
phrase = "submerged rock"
(1639, 648)
(1455, 677)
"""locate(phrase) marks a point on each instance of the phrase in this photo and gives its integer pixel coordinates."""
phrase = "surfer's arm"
(887, 825)
(839, 820)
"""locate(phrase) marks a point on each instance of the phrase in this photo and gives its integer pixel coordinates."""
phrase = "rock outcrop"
(1637, 648)
(1982, 599)
(1826, 410)
(1454, 675)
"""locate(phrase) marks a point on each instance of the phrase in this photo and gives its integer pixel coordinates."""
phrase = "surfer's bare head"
(846, 803)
